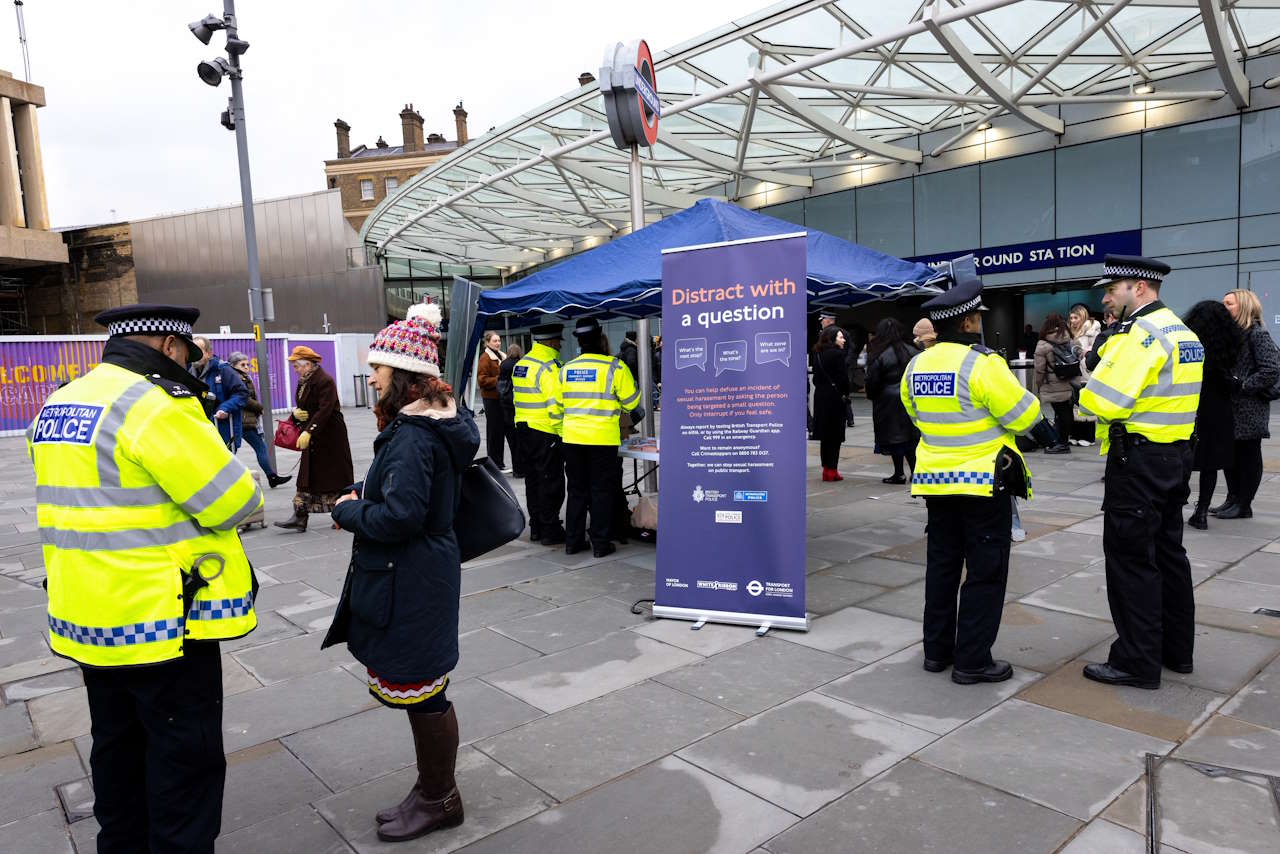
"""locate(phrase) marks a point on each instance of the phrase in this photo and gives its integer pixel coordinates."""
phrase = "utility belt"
(1122, 441)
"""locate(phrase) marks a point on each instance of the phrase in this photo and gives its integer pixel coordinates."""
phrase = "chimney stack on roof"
(586, 78)
(460, 118)
(411, 127)
(344, 138)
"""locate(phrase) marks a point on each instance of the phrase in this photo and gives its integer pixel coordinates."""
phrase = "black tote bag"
(487, 513)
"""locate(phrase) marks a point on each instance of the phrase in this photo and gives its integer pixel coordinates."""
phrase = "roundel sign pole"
(629, 85)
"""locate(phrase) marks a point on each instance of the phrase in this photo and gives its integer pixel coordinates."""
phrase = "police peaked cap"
(148, 319)
(586, 326)
(1117, 268)
(965, 294)
(547, 331)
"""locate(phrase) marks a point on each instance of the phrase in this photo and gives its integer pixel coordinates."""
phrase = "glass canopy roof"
(801, 86)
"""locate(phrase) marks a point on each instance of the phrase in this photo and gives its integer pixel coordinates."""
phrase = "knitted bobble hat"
(410, 344)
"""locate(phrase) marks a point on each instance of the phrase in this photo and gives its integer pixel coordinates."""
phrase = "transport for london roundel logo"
(755, 588)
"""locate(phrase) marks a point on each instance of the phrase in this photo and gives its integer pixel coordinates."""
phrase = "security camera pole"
(211, 72)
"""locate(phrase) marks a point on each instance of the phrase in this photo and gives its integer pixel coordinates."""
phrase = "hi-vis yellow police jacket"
(968, 406)
(592, 393)
(1148, 377)
(533, 388)
(134, 488)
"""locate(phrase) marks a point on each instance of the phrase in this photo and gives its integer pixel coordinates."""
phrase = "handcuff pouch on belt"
(194, 579)
(1011, 478)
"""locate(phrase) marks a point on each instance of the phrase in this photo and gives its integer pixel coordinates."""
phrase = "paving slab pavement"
(588, 728)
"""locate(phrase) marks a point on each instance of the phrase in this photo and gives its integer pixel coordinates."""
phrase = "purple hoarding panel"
(277, 364)
(31, 370)
(732, 514)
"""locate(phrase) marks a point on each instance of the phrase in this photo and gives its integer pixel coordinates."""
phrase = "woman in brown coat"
(325, 468)
(1054, 390)
(487, 370)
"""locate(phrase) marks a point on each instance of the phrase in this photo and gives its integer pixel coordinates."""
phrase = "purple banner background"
(277, 365)
(325, 349)
(30, 370)
(732, 514)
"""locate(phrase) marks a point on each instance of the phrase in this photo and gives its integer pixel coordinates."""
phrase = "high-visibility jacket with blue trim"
(134, 487)
(593, 391)
(1148, 378)
(968, 406)
(533, 389)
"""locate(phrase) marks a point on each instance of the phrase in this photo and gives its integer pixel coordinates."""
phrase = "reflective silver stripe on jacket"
(109, 427)
(964, 439)
(603, 413)
(1109, 394)
(526, 404)
(1163, 418)
(1015, 412)
(101, 497)
(134, 538)
(246, 510)
(218, 486)
(634, 397)
(586, 395)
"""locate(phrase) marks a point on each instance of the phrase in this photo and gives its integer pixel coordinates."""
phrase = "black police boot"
(936, 666)
(604, 549)
(1236, 511)
(1227, 502)
(554, 538)
(1109, 675)
(574, 548)
(1200, 518)
(996, 671)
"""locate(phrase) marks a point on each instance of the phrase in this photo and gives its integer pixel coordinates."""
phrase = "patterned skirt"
(400, 695)
(315, 502)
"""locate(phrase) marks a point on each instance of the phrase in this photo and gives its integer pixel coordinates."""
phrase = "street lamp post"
(212, 72)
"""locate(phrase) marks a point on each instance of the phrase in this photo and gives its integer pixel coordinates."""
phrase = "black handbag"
(487, 514)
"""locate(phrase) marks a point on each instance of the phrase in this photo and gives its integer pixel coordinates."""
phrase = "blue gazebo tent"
(623, 278)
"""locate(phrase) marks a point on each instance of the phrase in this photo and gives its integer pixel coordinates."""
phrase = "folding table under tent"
(623, 278)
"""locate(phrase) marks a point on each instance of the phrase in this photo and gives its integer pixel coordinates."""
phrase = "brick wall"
(62, 299)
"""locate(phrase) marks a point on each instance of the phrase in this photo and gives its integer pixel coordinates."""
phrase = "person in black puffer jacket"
(888, 354)
(398, 613)
(1256, 371)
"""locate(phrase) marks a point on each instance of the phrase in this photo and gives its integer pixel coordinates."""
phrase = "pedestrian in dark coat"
(629, 352)
(506, 396)
(228, 393)
(1215, 420)
(888, 355)
(487, 370)
(830, 390)
(398, 613)
(1257, 369)
(325, 468)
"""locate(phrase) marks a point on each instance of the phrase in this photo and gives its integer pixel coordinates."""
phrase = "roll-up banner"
(731, 518)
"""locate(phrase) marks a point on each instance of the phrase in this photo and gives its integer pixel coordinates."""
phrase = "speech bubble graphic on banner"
(773, 347)
(730, 356)
(691, 353)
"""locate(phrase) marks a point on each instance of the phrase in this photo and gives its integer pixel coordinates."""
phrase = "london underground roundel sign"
(629, 84)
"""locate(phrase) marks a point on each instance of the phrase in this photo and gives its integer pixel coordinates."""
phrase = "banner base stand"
(763, 622)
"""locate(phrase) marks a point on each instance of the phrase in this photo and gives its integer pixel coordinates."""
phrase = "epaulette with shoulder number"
(1125, 326)
(171, 388)
(983, 349)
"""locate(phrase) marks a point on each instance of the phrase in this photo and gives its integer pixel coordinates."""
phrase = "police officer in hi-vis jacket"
(138, 499)
(1144, 392)
(968, 407)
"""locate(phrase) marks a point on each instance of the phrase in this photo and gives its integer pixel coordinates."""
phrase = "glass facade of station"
(1204, 196)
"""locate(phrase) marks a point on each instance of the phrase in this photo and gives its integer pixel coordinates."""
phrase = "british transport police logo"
(66, 423)
(933, 385)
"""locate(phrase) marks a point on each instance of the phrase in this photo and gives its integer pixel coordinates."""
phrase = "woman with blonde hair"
(1257, 368)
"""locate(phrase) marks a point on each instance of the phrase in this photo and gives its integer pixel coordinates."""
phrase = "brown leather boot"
(297, 523)
(434, 802)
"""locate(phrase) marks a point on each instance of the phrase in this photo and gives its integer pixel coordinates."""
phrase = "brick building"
(366, 175)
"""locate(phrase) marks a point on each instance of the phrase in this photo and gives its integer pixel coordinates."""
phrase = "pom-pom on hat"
(411, 344)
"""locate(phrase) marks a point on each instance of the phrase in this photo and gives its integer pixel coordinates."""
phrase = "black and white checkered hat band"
(956, 310)
(149, 326)
(1132, 273)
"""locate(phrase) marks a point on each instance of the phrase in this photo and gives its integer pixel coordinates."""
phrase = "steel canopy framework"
(830, 85)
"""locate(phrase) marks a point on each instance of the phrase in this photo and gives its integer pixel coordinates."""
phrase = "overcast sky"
(130, 131)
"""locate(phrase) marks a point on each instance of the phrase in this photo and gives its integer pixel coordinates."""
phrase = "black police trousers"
(972, 531)
(157, 761)
(543, 480)
(1148, 574)
(595, 479)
